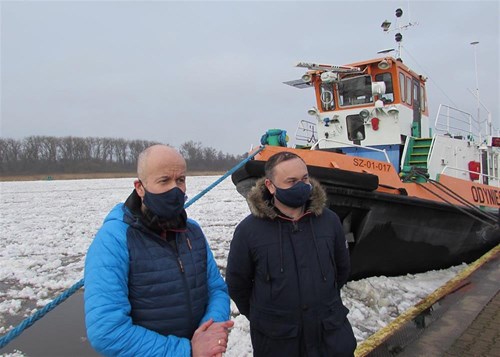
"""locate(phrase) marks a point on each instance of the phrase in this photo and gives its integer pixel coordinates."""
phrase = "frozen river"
(47, 227)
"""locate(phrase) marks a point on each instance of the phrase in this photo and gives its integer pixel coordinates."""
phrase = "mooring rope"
(463, 210)
(222, 178)
(29, 321)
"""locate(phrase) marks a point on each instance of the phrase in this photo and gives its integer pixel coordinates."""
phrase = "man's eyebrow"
(295, 177)
(162, 177)
(170, 177)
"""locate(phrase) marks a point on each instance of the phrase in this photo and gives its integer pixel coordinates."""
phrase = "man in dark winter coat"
(287, 263)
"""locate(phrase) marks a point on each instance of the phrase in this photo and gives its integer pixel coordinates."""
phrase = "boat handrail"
(432, 152)
(352, 144)
(456, 122)
(481, 175)
(309, 130)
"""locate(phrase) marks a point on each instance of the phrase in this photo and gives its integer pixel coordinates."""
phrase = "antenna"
(386, 27)
(473, 44)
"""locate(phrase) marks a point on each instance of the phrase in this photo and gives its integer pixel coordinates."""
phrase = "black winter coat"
(285, 276)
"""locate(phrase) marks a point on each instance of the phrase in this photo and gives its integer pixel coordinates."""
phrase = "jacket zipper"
(184, 280)
(181, 266)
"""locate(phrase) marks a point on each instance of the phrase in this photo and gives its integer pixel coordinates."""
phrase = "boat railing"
(456, 123)
(492, 180)
(306, 132)
(353, 145)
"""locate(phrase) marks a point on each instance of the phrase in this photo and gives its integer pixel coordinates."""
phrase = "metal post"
(477, 82)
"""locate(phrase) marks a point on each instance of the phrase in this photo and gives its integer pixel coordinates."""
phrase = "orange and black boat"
(412, 196)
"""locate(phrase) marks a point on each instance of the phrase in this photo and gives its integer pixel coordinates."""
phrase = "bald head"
(158, 155)
(159, 168)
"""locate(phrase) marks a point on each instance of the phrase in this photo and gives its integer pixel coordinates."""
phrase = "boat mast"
(399, 27)
(489, 129)
(477, 81)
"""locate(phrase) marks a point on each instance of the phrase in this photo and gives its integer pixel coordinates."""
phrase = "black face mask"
(295, 196)
(166, 205)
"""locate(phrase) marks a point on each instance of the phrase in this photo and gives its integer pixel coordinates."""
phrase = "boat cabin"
(365, 107)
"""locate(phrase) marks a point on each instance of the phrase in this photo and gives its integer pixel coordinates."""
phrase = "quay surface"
(464, 322)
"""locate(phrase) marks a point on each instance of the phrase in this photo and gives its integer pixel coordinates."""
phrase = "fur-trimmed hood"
(260, 200)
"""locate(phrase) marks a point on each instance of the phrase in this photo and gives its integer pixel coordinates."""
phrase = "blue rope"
(222, 178)
(27, 322)
(15, 332)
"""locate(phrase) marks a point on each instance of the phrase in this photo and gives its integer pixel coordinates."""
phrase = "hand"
(222, 327)
(208, 342)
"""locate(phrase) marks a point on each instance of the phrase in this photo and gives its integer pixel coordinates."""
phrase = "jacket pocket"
(274, 324)
(338, 337)
(337, 316)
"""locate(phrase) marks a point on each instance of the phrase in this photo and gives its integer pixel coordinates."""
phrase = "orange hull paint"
(389, 181)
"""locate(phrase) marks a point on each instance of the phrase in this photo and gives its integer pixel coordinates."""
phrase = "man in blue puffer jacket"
(152, 287)
(287, 263)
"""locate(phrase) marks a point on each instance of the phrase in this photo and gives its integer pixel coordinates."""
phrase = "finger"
(224, 324)
(222, 341)
(227, 323)
(216, 327)
(204, 326)
(217, 350)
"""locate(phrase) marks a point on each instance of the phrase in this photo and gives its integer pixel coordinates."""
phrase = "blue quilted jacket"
(142, 296)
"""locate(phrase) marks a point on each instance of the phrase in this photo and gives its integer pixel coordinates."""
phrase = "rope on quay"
(379, 337)
(29, 321)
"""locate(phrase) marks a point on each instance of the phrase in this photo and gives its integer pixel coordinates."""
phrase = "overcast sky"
(213, 71)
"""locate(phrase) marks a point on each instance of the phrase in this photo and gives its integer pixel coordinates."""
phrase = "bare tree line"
(48, 155)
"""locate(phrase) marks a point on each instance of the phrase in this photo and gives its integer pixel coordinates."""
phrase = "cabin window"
(355, 128)
(402, 87)
(422, 98)
(416, 96)
(326, 96)
(408, 90)
(354, 91)
(388, 97)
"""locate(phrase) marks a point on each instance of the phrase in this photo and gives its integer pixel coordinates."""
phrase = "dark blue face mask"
(295, 196)
(166, 205)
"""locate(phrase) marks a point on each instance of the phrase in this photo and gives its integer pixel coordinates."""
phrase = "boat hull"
(394, 234)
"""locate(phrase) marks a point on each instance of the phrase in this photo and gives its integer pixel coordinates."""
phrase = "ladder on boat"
(416, 158)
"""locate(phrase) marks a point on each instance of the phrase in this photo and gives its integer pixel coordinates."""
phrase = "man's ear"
(139, 188)
(270, 186)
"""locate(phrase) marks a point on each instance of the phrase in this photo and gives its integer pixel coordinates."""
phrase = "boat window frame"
(367, 88)
(355, 125)
(422, 98)
(409, 90)
(323, 88)
(402, 86)
(389, 86)
(416, 87)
